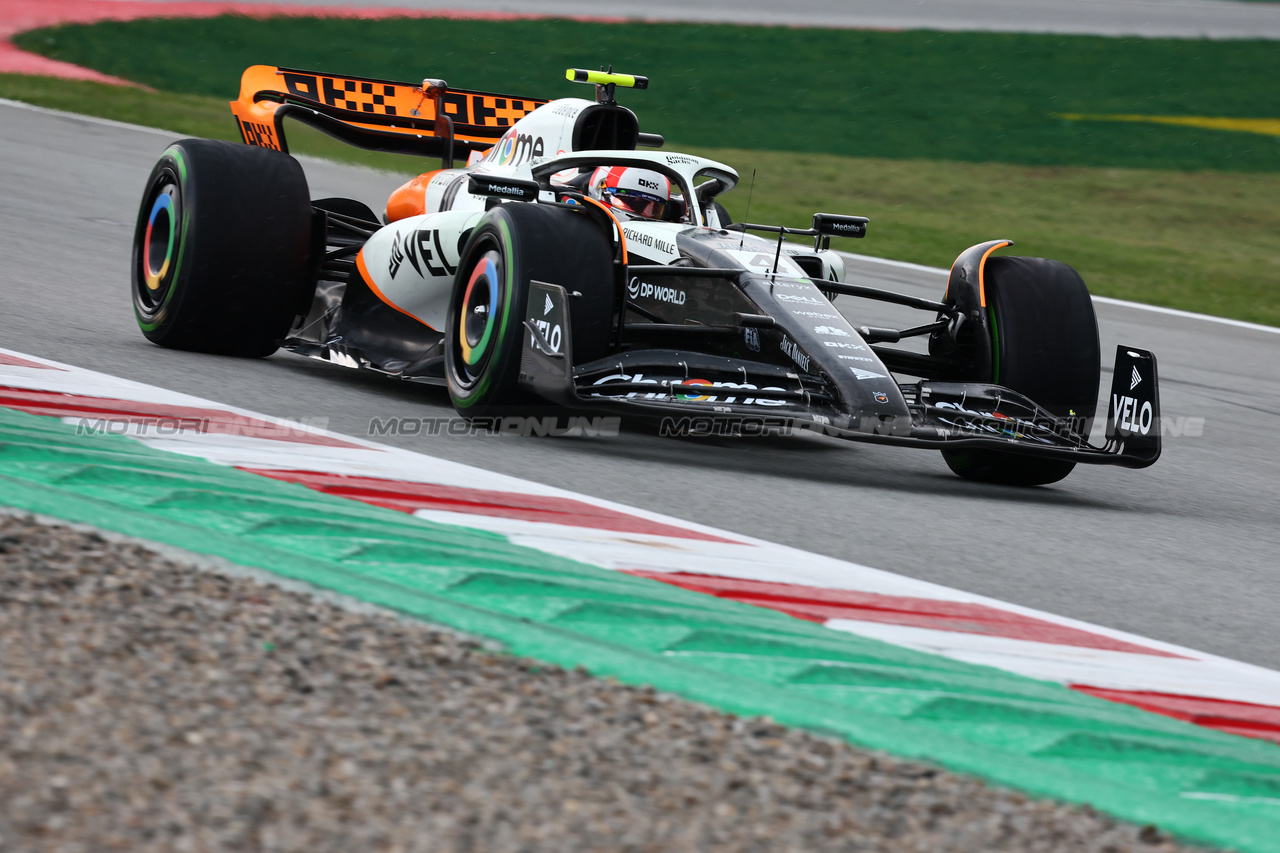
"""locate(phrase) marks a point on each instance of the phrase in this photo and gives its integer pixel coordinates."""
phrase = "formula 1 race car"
(564, 266)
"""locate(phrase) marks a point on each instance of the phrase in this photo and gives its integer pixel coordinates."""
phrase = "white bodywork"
(411, 263)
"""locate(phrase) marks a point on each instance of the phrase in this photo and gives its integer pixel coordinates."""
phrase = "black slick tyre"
(222, 249)
(1044, 345)
(484, 330)
(722, 214)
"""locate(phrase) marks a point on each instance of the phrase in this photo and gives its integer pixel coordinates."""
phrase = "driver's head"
(639, 192)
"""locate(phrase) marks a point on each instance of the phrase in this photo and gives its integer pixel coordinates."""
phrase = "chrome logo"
(694, 398)
(162, 212)
(475, 343)
(506, 153)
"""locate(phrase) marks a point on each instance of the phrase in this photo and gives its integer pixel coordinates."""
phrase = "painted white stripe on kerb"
(1233, 681)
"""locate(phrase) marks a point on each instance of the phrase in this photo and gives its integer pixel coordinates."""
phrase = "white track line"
(1101, 300)
(1189, 315)
(105, 122)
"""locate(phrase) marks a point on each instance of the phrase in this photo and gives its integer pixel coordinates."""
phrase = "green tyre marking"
(510, 276)
(186, 220)
(175, 152)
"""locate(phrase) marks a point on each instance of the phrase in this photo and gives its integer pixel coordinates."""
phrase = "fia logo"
(752, 338)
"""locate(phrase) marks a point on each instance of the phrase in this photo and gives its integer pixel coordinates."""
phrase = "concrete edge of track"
(1040, 737)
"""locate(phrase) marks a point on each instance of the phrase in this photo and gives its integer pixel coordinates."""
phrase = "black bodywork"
(717, 350)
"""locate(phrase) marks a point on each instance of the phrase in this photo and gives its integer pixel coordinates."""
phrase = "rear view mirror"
(835, 225)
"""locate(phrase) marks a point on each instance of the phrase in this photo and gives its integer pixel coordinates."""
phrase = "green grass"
(974, 97)
(1200, 241)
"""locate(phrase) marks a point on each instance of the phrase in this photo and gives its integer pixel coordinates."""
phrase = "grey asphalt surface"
(1169, 18)
(1185, 551)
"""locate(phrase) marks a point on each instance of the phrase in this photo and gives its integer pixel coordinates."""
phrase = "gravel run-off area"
(150, 704)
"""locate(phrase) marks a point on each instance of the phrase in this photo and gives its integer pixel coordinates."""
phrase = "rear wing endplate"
(429, 119)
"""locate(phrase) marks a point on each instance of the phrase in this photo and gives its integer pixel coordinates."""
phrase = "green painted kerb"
(1035, 736)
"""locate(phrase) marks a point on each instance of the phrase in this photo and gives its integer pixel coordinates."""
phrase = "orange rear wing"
(429, 120)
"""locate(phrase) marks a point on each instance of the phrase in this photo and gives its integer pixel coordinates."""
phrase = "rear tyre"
(222, 248)
(723, 215)
(484, 330)
(1044, 345)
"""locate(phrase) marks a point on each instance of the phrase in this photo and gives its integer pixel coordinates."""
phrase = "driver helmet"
(639, 192)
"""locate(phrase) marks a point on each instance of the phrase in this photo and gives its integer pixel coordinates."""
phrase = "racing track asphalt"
(1169, 18)
(1185, 551)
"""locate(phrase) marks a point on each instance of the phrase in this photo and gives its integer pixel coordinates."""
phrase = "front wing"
(771, 400)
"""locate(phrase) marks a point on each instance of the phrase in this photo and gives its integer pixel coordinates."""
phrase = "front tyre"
(222, 248)
(484, 330)
(1044, 345)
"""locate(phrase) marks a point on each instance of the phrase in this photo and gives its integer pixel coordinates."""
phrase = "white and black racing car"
(563, 265)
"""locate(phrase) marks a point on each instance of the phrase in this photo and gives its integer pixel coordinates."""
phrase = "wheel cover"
(157, 256)
(479, 312)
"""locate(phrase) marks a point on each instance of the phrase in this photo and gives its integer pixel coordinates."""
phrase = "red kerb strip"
(159, 416)
(1237, 718)
(817, 604)
(409, 497)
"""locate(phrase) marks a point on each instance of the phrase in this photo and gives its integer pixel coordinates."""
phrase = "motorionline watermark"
(1166, 426)
(751, 425)
(570, 426)
(168, 425)
(744, 426)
